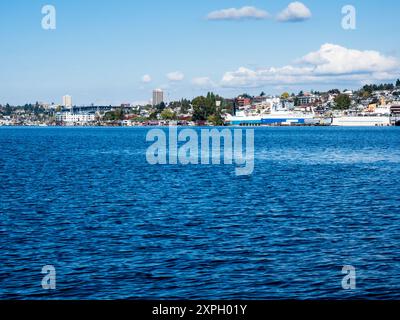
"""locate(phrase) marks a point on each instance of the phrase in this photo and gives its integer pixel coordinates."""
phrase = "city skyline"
(226, 47)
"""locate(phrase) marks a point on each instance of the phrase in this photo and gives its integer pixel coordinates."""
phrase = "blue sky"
(101, 49)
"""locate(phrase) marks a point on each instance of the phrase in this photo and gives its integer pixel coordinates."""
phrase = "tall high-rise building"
(158, 97)
(67, 101)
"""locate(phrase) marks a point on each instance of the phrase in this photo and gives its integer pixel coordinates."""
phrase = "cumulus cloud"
(203, 82)
(238, 14)
(335, 59)
(330, 64)
(146, 78)
(175, 76)
(295, 12)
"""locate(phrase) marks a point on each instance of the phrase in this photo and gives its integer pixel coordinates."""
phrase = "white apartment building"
(307, 99)
(70, 118)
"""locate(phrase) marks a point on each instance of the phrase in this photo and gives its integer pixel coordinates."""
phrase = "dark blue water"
(86, 201)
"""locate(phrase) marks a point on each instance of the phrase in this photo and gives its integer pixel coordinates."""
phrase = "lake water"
(86, 201)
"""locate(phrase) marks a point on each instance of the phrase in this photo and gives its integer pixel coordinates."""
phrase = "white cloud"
(140, 102)
(330, 64)
(295, 12)
(175, 76)
(146, 78)
(203, 82)
(334, 59)
(238, 14)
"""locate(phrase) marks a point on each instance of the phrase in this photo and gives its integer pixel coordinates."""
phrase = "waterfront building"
(158, 97)
(306, 99)
(243, 102)
(395, 111)
(71, 118)
(259, 100)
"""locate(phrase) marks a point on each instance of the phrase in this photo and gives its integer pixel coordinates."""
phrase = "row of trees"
(115, 115)
(205, 108)
(385, 86)
(35, 109)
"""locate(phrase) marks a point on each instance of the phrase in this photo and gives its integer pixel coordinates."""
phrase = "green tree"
(161, 107)
(398, 83)
(334, 91)
(216, 120)
(285, 95)
(115, 115)
(185, 106)
(168, 114)
(204, 107)
(365, 94)
(181, 107)
(343, 102)
(153, 115)
(201, 109)
(246, 96)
